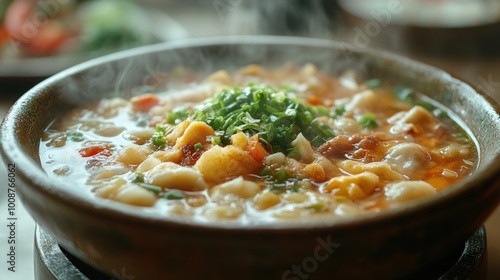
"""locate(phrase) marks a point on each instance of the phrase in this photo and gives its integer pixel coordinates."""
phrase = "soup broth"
(263, 145)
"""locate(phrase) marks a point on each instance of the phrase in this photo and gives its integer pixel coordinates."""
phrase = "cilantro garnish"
(271, 113)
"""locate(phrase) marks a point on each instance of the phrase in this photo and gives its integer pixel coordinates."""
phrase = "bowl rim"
(32, 173)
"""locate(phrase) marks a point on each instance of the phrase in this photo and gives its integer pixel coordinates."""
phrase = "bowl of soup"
(256, 157)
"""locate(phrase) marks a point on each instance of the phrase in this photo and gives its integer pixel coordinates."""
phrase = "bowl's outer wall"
(391, 246)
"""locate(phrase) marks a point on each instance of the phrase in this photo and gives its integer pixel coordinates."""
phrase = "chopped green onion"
(294, 153)
(152, 188)
(177, 115)
(158, 137)
(339, 111)
(172, 195)
(368, 121)
(216, 140)
(318, 207)
(266, 171)
(404, 94)
(198, 146)
(281, 175)
(373, 83)
(275, 116)
(75, 135)
(287, 88)
(138, 177)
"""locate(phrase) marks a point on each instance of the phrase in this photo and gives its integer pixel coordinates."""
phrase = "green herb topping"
(368, 121)
(277, 117)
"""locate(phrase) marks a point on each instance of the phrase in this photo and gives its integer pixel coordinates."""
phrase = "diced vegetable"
(404, 94)
(94, 150)
(172, 195)
(144, 103)
(368, 121)
(158, 138)
(152, 188)
(76, 136)
(339, 111)
(177, 115)
(373, 83)
(255, 149)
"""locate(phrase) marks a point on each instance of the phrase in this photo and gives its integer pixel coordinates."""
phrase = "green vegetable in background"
(111, 25)
(3, 8)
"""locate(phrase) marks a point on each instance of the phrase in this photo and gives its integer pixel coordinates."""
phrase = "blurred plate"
(15, 70)
(443, 28)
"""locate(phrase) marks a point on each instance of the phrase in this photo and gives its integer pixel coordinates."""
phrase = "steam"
(315, 18)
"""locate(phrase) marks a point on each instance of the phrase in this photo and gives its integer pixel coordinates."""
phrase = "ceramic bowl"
(126, 241)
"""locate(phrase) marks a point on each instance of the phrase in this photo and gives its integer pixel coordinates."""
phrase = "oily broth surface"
(410, 152)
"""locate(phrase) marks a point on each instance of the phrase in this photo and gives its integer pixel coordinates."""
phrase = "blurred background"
(39, 38)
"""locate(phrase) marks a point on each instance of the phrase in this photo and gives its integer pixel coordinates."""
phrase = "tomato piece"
(4, 35)
(16, 17)
(35, 36)
(314, 100)
(48, 40)
(255, 148)
(144, 103)
(94, 150)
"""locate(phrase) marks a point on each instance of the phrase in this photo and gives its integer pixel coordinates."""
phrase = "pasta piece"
(276, 158)
(419, 116)
(347, 209)
(252, 69)
(304, 148)
(141, 136)
(316, 172)
(453, 151)
(409, 159)
(173, 176)
(222, 77)
(237, 187)
(221, 163)
(382, 169)
(267, 200)
(148, 164)
(224, 212)
(195, 132)
(347, 126)
(177, 132)
(239, 140)
(408, 190)
(355, 187)
(416, 120)
(169, 155)
(127, 193)
(364, 102)
(133, 155)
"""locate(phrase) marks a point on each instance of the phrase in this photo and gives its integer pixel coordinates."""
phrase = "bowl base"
(53, 263)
